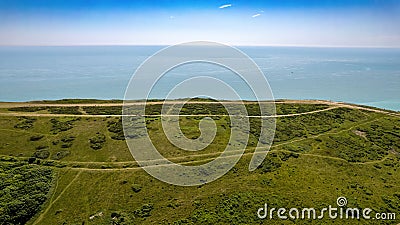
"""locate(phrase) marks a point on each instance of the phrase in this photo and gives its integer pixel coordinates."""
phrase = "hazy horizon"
(238, 46)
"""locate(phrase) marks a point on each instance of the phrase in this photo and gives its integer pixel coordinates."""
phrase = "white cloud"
(225, 6)
(256, 15)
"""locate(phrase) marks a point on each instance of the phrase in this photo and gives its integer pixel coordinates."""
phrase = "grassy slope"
(315, 159)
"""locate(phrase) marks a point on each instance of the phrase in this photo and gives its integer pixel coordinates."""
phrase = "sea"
(368, 76)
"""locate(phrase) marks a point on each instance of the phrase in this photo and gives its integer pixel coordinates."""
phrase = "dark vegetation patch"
(25, 122)
(115, 127)
(42, 154)
(62, 124)
(286, 109)
(103, 110)
(303, 126)
(97, 142)
(121, 218)
(36, 137)
(144, 211)
(204, 109)
(237, 208)
(274, 161)
(74, 110)
(28, 109)
(23, 189)
(59, 155)
(153, 109)
(66, 142)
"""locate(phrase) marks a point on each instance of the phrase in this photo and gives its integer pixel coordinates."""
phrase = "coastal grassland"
(133, 197)
(315, 158)
(70, 137)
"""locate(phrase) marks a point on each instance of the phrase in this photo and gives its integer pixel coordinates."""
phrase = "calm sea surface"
(364, 76)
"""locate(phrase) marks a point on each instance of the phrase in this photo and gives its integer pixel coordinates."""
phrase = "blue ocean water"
(356, 75)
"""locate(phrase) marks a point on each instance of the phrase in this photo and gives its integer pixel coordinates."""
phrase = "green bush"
(36, 137)
(271, 163)
(25, 123)
(27, 109)
(42, 154)
(55, 110)
(103, 110)
(115, 127)
(97, 142)
(62, 125)
(66, 142)
(144, 211)
(74, 110)
(59, 155)
(40, 147)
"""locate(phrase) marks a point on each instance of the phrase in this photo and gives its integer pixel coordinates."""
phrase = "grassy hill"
(68, 163)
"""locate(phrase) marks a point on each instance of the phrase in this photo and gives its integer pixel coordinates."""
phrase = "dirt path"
(230, 156)
(58, 197)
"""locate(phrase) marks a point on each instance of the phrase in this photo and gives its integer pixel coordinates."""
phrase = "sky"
(334, 23)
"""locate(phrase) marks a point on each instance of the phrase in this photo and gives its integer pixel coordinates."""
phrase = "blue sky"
(373, 23)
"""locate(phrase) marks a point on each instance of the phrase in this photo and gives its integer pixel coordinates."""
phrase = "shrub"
(144, 211)
(27, 109)
(42, 154)
(40, 147)
(25, 123)
(60, 126)
(115, 127)
(36, 137)
(74, 110)
(271, 163)
(66, 141)
(97, 142)
(66, 145)
(59, 155)
(103, 110)
(31, 160)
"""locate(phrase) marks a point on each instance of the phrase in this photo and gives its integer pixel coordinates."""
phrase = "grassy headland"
(66, 162)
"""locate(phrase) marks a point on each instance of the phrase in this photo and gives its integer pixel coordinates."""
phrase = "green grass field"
(85, 173)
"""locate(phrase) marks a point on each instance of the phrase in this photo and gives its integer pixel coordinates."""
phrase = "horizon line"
(165, 45)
